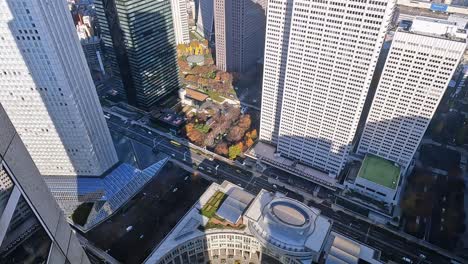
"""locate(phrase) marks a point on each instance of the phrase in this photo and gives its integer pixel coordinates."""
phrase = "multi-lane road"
(392, 246)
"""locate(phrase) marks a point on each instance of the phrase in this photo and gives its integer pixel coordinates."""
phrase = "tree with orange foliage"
(245, 121)
(194, 135)
(253, 134)
(249, 142)
(192, 78)
(194, 44)
(222, 149)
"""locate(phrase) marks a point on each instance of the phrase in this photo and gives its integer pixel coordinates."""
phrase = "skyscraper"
(239, 33)
(419, 66)
(313, 96)
(205, 19)
(33, 228)
(180, 18)
(47, 90)
(139, 42)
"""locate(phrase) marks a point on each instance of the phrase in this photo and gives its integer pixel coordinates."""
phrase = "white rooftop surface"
(342, 250)
(255, 209)
(266, 151)
(286, 230)
(234, 205)
(317, 239)
(433, 26)
(187, 228)
(460, 20)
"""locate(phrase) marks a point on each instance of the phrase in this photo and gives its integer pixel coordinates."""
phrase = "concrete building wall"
(47, 90)
(27, 184)
(278, 24)
(416, 74)
(333, 49)
(180, 21)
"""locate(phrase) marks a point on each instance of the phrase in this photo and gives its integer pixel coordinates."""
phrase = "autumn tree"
(235, 150)
(249, 142)
(253, 134)
(209, 61)
(245, 121)
(194, 135)
(222, 149)
(192, 79)
(235, 134)
(194, 44)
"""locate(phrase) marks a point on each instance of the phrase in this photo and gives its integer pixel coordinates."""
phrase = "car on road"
(406, 260)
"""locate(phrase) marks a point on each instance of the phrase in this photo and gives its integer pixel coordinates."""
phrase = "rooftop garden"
(209, 211)
(210, 208)
(380, 171)
(81, 213)
(204, 76)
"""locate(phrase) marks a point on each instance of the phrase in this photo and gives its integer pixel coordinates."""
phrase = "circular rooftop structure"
(196, 60)
(290, 227)
(289, 214)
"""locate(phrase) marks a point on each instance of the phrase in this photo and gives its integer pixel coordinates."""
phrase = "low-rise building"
(230, 225)
(377, 178)
(192, 97)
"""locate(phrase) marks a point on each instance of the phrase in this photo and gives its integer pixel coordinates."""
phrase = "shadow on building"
(143, 54)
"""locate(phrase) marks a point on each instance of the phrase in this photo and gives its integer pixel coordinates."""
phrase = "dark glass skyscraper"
(138, 36)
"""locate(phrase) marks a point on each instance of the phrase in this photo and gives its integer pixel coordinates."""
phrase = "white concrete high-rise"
(417, 71)
(180, 21)
(47, 90)
(313, 96)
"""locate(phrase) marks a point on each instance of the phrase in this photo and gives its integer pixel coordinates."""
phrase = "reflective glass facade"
(139, 42)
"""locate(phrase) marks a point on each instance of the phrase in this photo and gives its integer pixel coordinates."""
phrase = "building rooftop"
(380, 171)
(287, 225)
(438, 28)
(235, 204)
(109, 193)
(196, 95)
(342, 250)
(276, 221)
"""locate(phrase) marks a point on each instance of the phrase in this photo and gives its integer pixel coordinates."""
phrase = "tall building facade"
(180, 18)
(239, 34)
(205, 19)
(417, 71)
(139, 42)
(47, 90)
(34, 229)
(321, 87)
